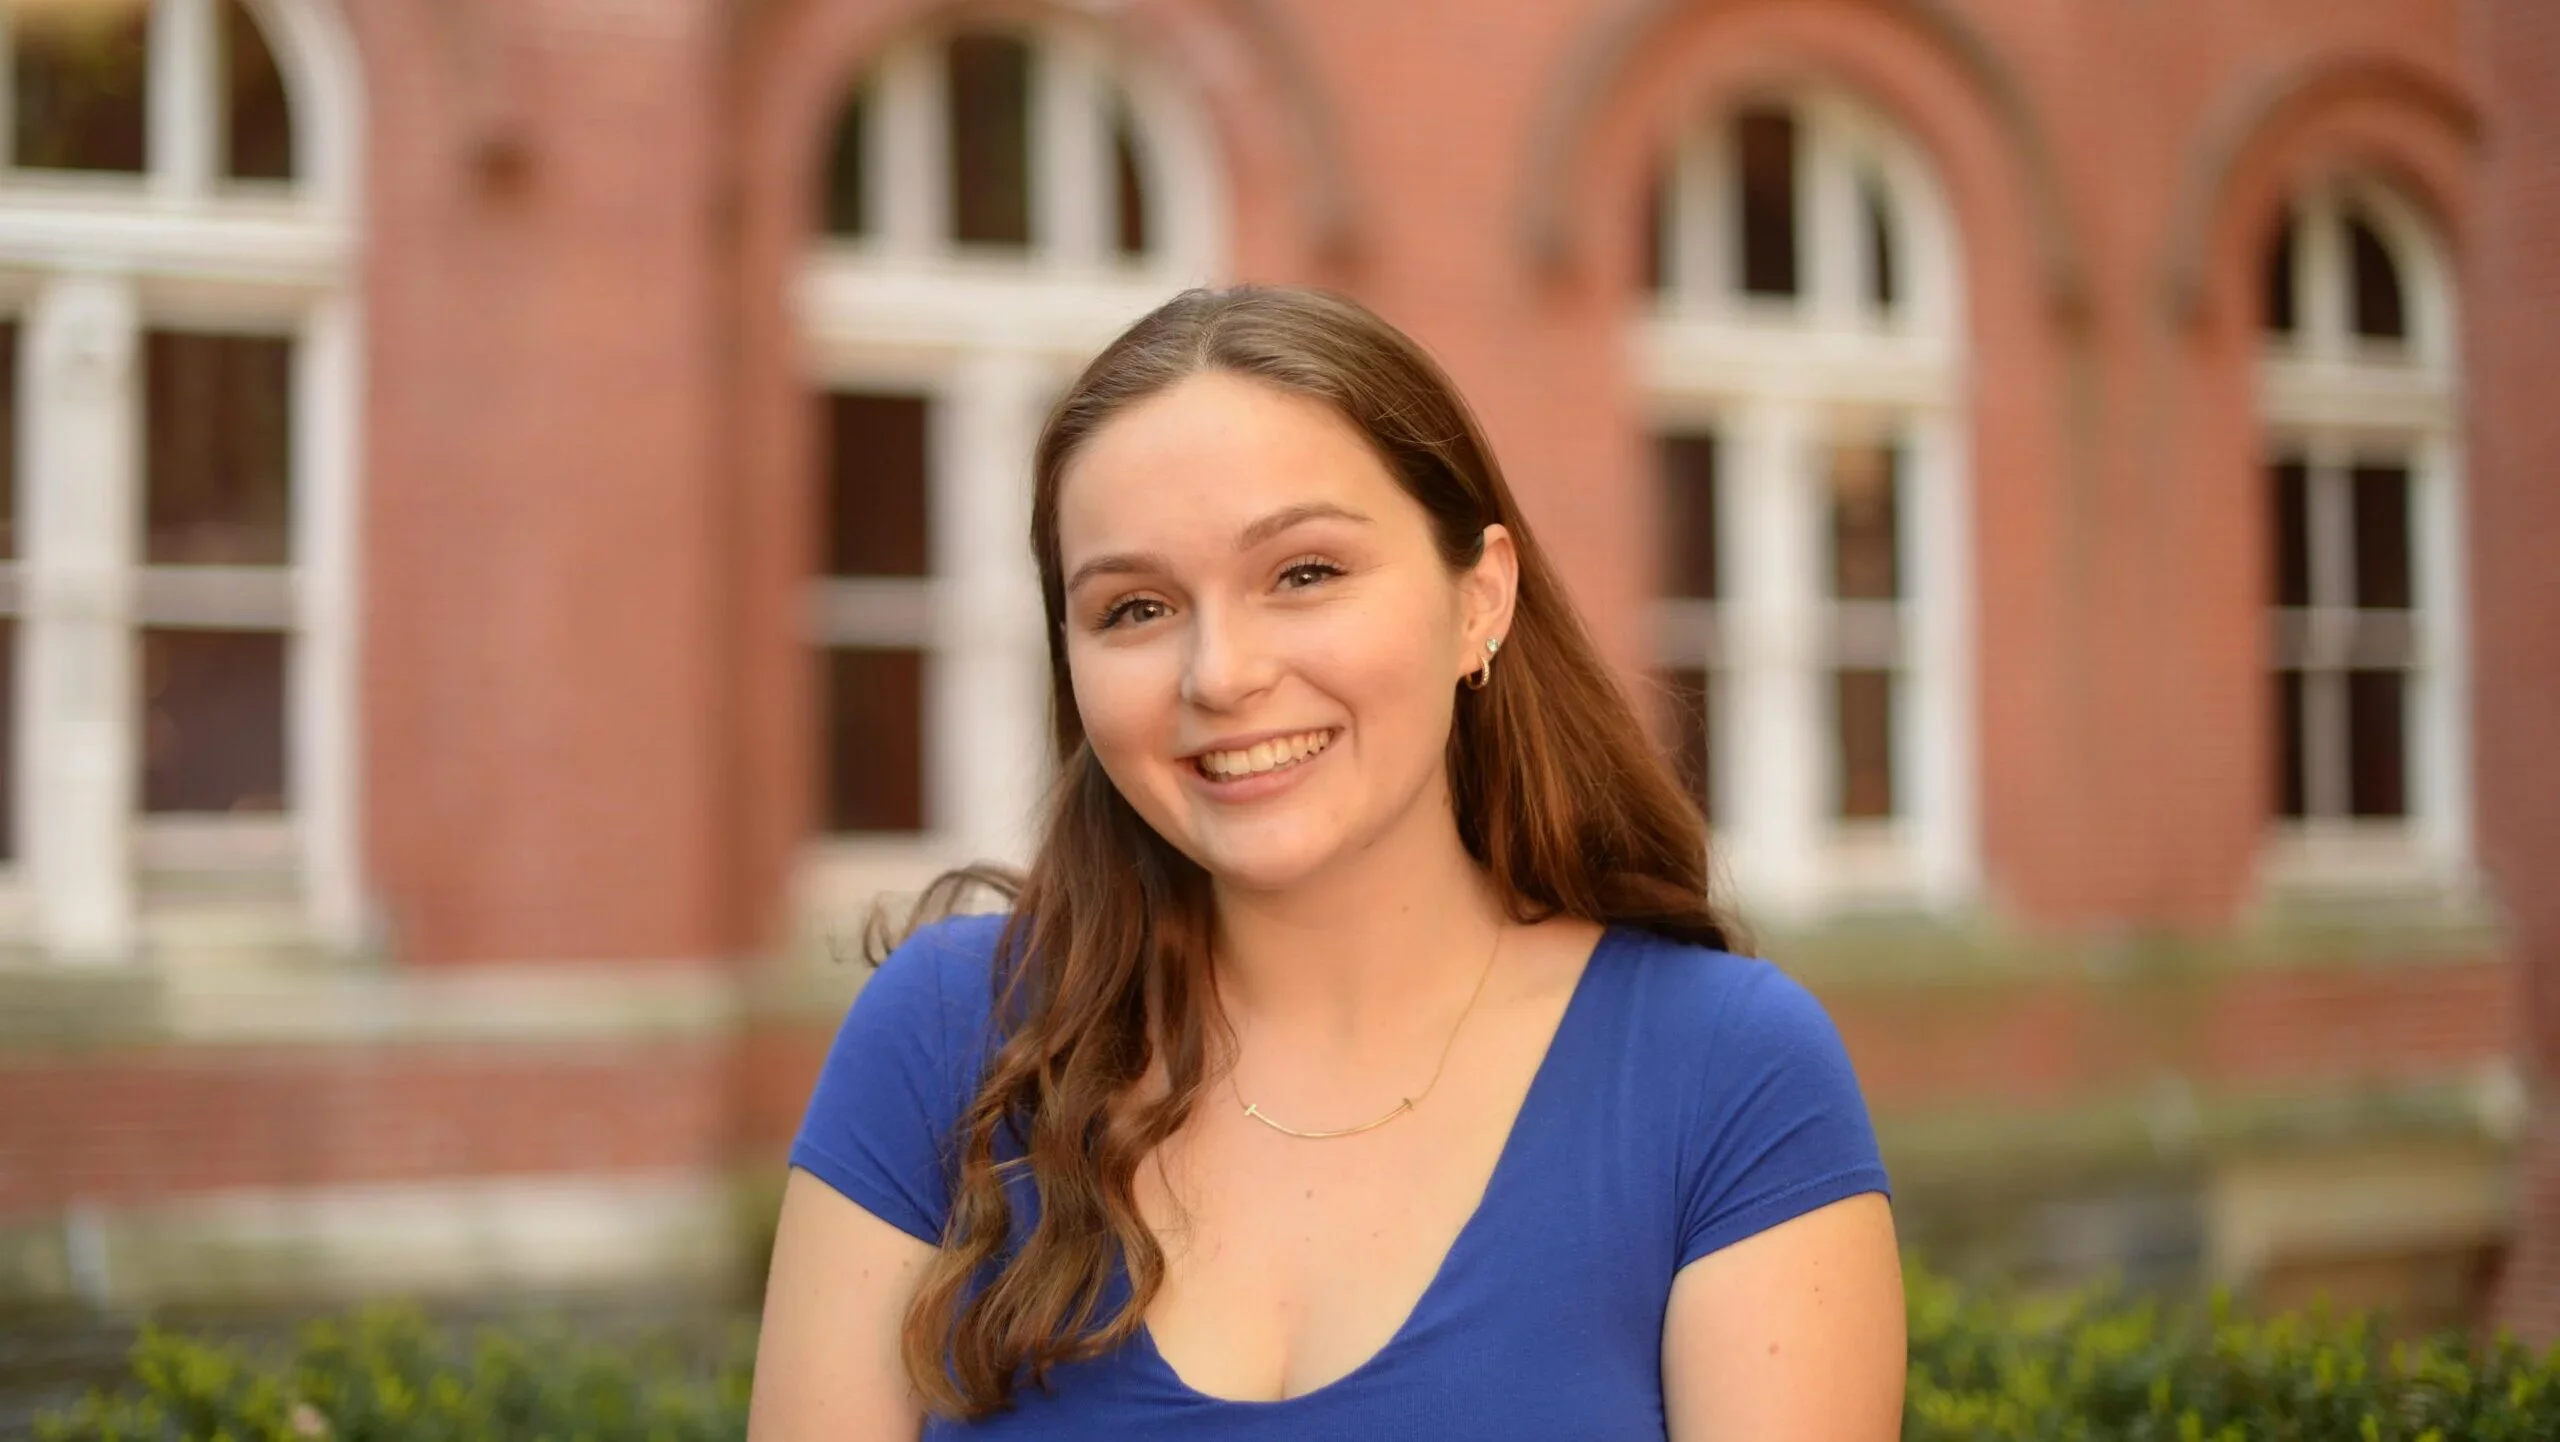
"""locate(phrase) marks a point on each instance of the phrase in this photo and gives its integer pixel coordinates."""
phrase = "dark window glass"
(1865, 523)
(2289, 527)
(1883, 265)
(2377, 313)
(1652, 253)
(9, 440)
(876, 485)
(80, 80)
(1689, 692)
(874, 736)
(1765, 144)
(1689, 516)
(990, 94)
(213, 721)
(847, 199)
(2382, 536)
(257, 120)
(1129, 191)
(1865, 718)
(2377, 744)
(2279, 277)
(2291, 802)
(8, 738)
(218, 457)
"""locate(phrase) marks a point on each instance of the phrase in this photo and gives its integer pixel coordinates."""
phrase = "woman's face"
(1264, 642)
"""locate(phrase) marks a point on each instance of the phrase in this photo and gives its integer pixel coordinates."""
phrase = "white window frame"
(91, 262)
(1780, 380)
(990, 338)
(2330, 395)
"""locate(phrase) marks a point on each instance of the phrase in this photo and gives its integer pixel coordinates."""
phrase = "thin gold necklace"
(1255, 1111)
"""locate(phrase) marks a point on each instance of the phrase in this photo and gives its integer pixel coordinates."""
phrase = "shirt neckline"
(1506, 1162)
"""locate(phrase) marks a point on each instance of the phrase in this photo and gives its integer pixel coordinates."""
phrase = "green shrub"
(386, 1374)
(2092, 1367)
(2099, 1367)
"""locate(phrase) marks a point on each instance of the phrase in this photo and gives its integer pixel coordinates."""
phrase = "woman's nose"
(1228, 663)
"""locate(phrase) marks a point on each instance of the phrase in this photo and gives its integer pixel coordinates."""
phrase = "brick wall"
(2515, 544)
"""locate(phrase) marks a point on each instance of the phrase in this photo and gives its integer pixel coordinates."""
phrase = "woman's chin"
(1268, 864)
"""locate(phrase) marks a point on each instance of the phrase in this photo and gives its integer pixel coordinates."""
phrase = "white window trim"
(1776, 379)
(101, 259)
(2325, 392)
(991, 339)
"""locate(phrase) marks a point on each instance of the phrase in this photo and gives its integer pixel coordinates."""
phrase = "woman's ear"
(1487, 592)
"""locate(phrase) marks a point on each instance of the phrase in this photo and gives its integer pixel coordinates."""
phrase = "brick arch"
(2034, 402)
(1276, 134)
(2359, 112)
(789, 65)
(1622, 49)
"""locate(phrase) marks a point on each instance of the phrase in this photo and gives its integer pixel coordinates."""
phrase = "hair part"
(1102, 971)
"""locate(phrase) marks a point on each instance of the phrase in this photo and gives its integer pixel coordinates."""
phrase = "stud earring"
(1483, 675)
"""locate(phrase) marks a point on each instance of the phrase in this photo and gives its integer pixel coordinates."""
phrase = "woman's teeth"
(1262, 756)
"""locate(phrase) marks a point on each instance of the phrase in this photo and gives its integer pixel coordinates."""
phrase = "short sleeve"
(1778, 1126)
(882, 1120)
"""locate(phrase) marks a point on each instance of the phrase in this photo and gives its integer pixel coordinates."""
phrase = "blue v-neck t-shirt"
(1690, 1099)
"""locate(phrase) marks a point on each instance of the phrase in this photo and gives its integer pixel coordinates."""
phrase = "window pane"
(1883, 265)
(846, 205)
(2377, 744)
(874, 738)
(2382, 536)
(213, 719)
(1653, 271)
(1689, 692)
(990, 94)
(1865, 719)
(1688, 465)
(2377, 312)
(258, 136)
(8, 738)
(2278, 299)
(1129, 190)
(218, 460)
(2289, 527)
(78, 74)
(1765, 145)
(876, 485)
(2291, 796)
(8, 440)
(1865, 523)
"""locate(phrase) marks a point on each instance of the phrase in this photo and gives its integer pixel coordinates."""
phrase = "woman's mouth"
(1263, 757)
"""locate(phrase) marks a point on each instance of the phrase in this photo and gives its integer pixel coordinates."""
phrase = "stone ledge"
(459, 1238)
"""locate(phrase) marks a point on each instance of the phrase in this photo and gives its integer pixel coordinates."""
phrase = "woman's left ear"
(1489, 589)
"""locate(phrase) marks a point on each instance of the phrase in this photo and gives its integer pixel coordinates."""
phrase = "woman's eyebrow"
(1130, 563)
(1288, 517)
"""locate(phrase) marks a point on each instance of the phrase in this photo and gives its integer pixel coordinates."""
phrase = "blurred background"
(513, 540)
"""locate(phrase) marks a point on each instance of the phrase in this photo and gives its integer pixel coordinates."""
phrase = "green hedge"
(2097, 1367)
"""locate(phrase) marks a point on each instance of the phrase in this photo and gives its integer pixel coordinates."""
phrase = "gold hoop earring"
(1483, 674)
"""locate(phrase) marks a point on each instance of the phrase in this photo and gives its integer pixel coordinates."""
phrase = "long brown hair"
(1102, 970)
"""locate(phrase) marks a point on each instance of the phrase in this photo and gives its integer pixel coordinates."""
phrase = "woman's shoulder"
(1684, 982)
(941, 975)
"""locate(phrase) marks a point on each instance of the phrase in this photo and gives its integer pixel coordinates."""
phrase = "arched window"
(996, 203)
(1800, 346)
(176, 585)
(2361, 398)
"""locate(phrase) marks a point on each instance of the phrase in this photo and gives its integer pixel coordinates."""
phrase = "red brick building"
(517, 539)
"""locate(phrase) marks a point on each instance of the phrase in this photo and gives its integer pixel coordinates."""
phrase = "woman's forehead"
(1206, 459)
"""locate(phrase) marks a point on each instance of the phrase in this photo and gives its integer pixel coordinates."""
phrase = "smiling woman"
(1363, 1054)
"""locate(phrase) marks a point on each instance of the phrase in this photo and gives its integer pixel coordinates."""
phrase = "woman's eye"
(1303, 574)
(1136, 608)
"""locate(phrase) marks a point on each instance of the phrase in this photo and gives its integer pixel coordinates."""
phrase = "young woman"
(1362, 1056)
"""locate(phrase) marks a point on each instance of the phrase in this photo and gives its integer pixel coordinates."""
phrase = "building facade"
(518, 524)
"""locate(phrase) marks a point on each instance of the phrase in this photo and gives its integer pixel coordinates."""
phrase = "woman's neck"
(1364, 948)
